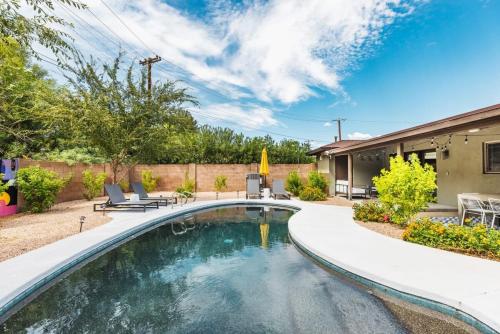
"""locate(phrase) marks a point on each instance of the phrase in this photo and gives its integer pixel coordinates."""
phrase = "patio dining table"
(479, 196)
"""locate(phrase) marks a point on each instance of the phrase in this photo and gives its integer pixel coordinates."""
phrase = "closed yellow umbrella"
(264, 165)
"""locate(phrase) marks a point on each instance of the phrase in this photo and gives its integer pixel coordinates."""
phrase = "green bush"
(477, 240)
(294, 183)
(318, 181)
(4, 186)
(39, 187)
(148, 180)
(93, 183)
(371, 211)
(406, 188)
(312, 194)
(187, 187)
(220, 183)
(124, 185)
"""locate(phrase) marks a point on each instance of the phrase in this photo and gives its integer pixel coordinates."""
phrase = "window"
(492, 157)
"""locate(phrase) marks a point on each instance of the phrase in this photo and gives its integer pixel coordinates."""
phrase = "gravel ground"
(389, 230)
(23, 232)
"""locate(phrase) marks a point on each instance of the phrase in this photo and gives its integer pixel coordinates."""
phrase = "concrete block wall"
(170, 176)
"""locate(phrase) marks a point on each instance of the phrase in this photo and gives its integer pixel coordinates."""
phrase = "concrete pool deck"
(468, 284)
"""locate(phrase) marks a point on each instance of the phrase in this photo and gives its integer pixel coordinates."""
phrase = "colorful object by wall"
(8, 199)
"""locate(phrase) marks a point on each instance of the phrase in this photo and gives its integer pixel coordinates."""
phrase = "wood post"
(349, 176)
(400, 149)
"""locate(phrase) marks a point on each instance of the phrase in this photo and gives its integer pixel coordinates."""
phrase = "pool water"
(227, 270)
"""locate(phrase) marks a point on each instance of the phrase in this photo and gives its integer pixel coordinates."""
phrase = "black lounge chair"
(279, 190)
(118, 202)
(138, 188)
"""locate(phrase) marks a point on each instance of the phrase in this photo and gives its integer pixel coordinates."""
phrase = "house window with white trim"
(492, 157)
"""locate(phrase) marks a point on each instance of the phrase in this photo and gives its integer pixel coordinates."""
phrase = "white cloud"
(327, 124)
(250, 117)
(273, 51)
(359, 135)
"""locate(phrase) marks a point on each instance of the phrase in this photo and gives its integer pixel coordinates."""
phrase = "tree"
(115, 114)
(31, 105)
(42, 27)
(406, 188)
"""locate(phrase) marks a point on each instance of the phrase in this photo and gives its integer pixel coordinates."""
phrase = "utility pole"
(149, 62)
(339, 126)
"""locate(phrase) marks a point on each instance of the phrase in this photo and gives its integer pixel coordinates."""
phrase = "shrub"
(220, 183)
(4, 186)
(294, 183)
(312, 194)
(124, 185)
(406, 188)
(371, 211)
(187, 187)
(477, 240)
(39, 187)
(93, 183)
(148, 180)
(318, 181)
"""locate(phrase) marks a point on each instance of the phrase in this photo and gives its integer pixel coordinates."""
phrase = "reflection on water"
(229, 270)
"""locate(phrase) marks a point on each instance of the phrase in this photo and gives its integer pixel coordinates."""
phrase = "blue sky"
(288, 67)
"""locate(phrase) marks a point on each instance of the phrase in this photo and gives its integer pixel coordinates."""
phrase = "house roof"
(334, 145)
(461, 122)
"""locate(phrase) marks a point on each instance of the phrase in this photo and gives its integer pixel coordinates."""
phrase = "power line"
(202, 114)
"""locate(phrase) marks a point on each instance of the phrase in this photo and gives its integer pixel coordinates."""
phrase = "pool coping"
(418, 274)
(326, 233)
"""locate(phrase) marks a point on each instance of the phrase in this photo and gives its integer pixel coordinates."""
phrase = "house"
(463, 149)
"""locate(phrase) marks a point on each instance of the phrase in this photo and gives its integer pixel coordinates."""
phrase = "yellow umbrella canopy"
(264, 165)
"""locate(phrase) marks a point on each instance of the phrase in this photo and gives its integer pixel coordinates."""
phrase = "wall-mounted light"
(432, 141)
(466, 140)
(449, 140)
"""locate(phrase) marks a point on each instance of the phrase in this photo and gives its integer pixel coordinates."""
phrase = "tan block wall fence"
(170, 176)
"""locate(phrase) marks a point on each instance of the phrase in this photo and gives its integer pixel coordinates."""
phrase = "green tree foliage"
(148, 180)
(30, 104)
(294, 183)
(222, 145)
(116, 115)
(39, 187)
(40, 26)
(406, 188)
(93, 183)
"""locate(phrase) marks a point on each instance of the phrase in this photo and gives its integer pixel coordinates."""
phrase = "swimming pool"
(231, 269)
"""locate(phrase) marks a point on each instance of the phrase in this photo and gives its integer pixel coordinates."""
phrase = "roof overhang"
(462, 122)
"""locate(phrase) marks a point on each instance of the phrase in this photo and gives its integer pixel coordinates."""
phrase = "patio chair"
(253, 189)
(474, 207)
(279, 190)
(118, 202)
(138, 188)
(495, 208)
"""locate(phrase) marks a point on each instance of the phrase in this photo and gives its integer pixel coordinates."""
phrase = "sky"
(288, 68)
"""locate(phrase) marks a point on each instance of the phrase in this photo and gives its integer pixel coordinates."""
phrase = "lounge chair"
(118, 202)
(279, 190)
(138, 188)
(253, 188)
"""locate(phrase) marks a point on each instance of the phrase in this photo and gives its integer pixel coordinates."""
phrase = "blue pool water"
(227, 270)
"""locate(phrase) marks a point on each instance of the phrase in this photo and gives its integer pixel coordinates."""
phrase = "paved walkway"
(466, 283)
(469, 284)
